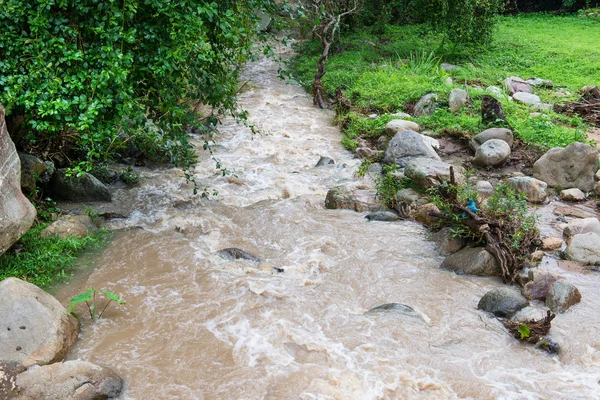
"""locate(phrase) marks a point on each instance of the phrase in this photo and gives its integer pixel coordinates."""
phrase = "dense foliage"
(102, 76)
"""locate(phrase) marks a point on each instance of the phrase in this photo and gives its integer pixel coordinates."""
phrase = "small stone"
(428, 214)
(448, 67)
(544, 107)
(552, 243)
(526, 98)
(458, 99)
(492, 153)
(514, 84)
(573, 194)
(484, 190)
(70, 225)
(397, 125)
(562, 295)
(365, 152)
(503, 302)
(534, 189)
(426, 105)
(492, 133)
(537, 256)
(373, 116)
(446, 243)
(495, 90)
(401, 115)
(539, 82)
(386, 216)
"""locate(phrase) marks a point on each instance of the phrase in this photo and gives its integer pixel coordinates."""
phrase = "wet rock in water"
(32, 169)
(233, 253)
(562, 295)
(503, 302)
(398, 125)
(398, 308)
(514, 84)
(539, 284)
(323, 161)
(492, 153)
(386, 216)
(573, 194)
(534, 189)
(489, 134)
(584, 225)
(424, 172)
(426, 105)
(491, 110)
(74, 188)
(584, 248)
(527, 98)
(472, 261)
(70, 225)
(458, 99)
(446, 243)
(34, 327)
(365, 152)
(353, 198)
(406, 145)
(16, 212)
(571, 167)
(70, 380)
(548, 345)
(551, 243)
(428, 214)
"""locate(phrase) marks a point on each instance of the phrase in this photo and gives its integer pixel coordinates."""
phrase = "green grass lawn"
(403, 66)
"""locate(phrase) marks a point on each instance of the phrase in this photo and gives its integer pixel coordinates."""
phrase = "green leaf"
(113, 296)
(524, 331)
(83, 297)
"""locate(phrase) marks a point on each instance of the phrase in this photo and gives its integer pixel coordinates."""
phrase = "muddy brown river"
(197, 326)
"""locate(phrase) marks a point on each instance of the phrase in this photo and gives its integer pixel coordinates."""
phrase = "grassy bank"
(386, 70)
(46, 261)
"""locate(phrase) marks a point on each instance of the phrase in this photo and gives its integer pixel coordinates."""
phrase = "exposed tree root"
(536, 329)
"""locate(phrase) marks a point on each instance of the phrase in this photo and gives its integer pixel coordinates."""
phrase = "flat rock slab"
(34, 327)
(71, 380)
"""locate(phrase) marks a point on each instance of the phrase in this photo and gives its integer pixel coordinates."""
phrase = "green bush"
(94, 74)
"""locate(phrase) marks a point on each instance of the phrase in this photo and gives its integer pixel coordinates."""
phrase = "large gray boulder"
(472, 261)
(35, 327)
(424, 172)
(458, 99)
(503, 302)
(406, 145)
(534, 189)
(584, 248)
(492, 153)
(78, 188)
(571, 167)
(426, 105)
(492, 133)
(70, 380)
(562, 295)
(16, 212)
(397, 125)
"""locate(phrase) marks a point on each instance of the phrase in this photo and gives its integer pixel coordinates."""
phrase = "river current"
(197, 326)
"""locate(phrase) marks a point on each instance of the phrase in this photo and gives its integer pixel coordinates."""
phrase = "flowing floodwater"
(197, 326)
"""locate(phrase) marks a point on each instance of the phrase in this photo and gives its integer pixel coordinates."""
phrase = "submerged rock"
(571, 167)
(71, 380)
(34, 327)
(398, 308)
(324, 161)
(386, 216)
(472, 261)
(503, 302)
(233, 253)
(352, 198)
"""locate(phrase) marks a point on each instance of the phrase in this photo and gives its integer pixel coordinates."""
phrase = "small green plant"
(130, 176)
(524, 331)
(389, 184)
(90, 212)
(90, 299)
